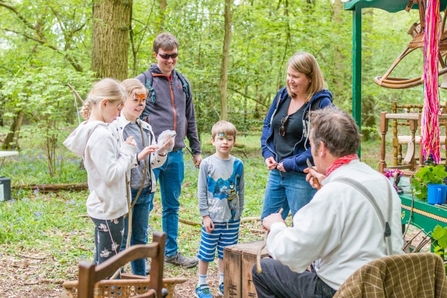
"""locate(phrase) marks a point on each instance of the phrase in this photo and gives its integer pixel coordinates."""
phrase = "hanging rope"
(430, 123)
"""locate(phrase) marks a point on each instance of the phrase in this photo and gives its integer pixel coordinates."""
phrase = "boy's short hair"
(224, 126)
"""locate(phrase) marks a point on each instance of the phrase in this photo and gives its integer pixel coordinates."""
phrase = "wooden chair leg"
(383, 131)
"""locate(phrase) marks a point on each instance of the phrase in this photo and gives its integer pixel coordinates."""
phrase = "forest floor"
(21, 275)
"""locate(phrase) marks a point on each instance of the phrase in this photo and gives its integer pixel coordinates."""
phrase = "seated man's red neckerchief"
(341, 161)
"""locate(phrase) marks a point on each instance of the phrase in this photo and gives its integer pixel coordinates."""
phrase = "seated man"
(339, 230)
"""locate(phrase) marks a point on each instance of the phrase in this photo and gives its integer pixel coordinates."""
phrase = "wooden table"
(8, 153)
(421, 214)
(5, 183)
(4, 154)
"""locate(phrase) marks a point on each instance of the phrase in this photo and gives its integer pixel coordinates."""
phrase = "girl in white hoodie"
(106, 164)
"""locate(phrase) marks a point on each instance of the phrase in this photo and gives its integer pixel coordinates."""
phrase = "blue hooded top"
(296, 162)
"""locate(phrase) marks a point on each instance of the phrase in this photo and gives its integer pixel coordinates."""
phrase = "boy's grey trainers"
(180, 260)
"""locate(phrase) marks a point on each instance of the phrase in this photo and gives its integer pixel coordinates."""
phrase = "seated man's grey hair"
(336, 129)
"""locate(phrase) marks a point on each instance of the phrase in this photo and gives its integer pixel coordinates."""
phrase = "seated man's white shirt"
(339, 229)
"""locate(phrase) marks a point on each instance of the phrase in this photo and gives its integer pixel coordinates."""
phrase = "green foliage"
(45, 99)
(429, 174)
(439, 236)
(30, 168)
(55, 225)
(265, 34)
(45, 33)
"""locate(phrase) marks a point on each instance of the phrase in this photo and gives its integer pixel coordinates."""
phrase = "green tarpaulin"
(388, 5)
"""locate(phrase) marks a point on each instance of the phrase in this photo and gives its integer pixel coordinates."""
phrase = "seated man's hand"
(314, 178)
(271, 219)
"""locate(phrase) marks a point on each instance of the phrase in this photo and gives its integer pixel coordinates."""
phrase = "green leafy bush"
(439, 236)
(429, 174)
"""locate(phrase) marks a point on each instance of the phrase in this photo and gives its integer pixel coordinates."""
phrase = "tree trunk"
(111, 23)
(13, 133)
(225, 56)
(161, 24)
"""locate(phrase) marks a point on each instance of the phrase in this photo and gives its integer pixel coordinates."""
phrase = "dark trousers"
(108, 237)
(277, 280)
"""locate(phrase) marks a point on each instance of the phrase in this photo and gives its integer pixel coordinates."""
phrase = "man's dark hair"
(165, 41)
(336, 129)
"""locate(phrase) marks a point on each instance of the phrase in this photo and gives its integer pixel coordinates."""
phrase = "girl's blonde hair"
(132, 84)
(306, 64)
(107, 88)
(223, 126)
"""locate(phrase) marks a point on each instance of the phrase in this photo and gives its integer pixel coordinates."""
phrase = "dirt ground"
(24, 275)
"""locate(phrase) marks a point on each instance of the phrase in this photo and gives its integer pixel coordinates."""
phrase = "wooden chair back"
(90, 274)
(406, 131)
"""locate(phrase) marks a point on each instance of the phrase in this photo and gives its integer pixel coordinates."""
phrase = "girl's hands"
(131, 141)
(164, 148)
(146, 151)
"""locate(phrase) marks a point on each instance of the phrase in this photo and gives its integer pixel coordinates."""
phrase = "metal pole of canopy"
(357, 66)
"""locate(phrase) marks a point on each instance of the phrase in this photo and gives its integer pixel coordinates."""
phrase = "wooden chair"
(91, 275)
(412, 120)
(399, 139)
(406, 128)
(413, 275)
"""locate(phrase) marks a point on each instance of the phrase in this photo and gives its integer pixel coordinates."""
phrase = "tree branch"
(16, 12)
(42, 40)
(75, 93)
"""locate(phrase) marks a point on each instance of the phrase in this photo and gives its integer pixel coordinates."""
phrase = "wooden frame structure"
(356, 7)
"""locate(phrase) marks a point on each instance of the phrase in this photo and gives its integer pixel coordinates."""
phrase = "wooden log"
(53, 187)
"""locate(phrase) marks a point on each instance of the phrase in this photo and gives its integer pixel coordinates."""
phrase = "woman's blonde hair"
(307, 64)
(107, 88)
(132, 84)
(226, 127)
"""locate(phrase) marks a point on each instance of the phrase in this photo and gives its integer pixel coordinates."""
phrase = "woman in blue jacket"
(285, 135)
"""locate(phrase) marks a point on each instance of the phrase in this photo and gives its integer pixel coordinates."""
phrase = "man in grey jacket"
(170, 106)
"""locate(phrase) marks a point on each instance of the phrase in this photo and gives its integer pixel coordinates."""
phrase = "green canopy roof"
(388, 5)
